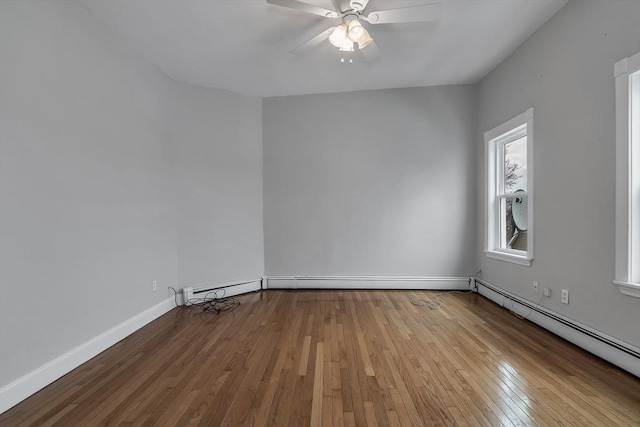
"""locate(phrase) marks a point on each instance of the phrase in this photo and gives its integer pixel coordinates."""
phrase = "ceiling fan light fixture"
(355, 31)
(365, 40)
(347, 46)
(338, 36)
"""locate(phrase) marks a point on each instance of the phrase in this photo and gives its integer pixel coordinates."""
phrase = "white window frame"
(627, 251)
(494, 139)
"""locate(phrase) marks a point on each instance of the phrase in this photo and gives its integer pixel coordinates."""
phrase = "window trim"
(493, 138)
(626, 179)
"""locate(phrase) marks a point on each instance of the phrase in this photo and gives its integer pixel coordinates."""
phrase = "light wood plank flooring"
(339, 358)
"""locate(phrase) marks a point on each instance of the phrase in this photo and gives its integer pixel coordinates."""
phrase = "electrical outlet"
(536, 289)
(546, 292)
(154, 285)
(565, 296)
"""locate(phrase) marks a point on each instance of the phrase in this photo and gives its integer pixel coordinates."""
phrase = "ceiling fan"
(350, 32)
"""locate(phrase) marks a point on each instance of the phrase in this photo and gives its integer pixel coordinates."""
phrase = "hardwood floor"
(334, 358)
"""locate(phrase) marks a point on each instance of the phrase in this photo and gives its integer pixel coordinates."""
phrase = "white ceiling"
(243, 45)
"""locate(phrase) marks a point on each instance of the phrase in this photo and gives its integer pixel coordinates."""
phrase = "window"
(509, 220)
(627, 82)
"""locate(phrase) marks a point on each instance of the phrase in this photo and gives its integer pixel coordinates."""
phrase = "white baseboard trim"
(368, 282)
(611, 349)
(18, 390)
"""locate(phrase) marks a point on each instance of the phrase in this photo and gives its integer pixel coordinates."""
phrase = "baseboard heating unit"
(368, 282)
(615, 351)
(221, 290)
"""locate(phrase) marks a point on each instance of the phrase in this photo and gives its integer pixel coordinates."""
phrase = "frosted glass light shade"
(338, 36)
(347, 46)
(365, 40)
(355, 31)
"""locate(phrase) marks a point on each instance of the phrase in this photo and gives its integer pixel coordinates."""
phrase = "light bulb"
(338, 36)
(355, 31)
(350, 60)
(341, 59)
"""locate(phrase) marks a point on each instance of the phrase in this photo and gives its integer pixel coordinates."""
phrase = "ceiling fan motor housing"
(348, 18)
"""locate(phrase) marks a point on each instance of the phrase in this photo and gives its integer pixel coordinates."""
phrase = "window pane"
(508, 192)
(515, 165)
(513, 223)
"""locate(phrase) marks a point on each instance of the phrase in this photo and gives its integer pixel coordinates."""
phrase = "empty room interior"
(329, 212)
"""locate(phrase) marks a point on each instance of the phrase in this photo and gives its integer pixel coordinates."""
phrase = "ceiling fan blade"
(358, 5)
(371, 52)
(305, 7)
(427, 12)
(310, 44)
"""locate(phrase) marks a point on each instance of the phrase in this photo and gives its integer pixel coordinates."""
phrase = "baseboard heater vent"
(615, 351)
(368, 282)
(221, 290)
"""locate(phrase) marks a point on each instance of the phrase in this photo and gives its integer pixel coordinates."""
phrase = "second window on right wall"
(627, 253)
(509, 203)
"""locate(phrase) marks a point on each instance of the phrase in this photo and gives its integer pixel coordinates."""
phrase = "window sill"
(503, 256)
(631, 289)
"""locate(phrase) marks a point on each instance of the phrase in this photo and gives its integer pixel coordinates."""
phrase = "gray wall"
(104, 164)
(86, 218)
(565, 71)
(371, 183)
(218, 179)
